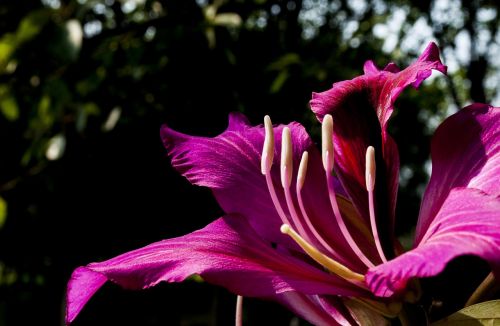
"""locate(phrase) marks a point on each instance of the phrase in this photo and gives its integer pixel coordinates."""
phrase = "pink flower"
(322, 244)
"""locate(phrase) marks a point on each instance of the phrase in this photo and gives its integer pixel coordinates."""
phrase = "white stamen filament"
(328, 263)
(370, 186)
(268, 149)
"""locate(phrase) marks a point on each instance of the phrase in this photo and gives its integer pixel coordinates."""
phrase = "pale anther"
(301, 176)
(286, 158)
(327, 142)
(370, 168)
(268, 149)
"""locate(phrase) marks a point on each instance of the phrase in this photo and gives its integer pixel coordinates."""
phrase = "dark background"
(77, 186)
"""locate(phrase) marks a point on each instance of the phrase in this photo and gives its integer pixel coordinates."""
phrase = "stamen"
(327, 131)
(300, 183)
(370, 185)
(239, 311)
(266, 164)
(268, 149)
(327, 142)
(322, 259)
(286, 178)
(286, 158)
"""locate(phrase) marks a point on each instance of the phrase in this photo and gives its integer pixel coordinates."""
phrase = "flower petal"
(467, 224)
(227, 252)
(361, 108)
(230, 165)
(465, 152)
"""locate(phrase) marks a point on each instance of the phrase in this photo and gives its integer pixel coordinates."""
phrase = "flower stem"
(239, 311)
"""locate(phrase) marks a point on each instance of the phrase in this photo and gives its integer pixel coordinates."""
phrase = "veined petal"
(465, 152)
(361, 108)
(229, 164)
(227, 253)
(467, 224)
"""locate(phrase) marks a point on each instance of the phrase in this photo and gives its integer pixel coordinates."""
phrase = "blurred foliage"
(86, 84)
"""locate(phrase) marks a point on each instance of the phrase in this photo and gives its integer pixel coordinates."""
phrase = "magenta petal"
(83, 284)
(465, 152)
(229, 164)
(467, 224)
(361, 108)
(227, 253)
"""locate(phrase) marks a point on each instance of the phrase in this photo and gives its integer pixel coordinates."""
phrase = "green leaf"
(31, 25)
(7, 47)
(279, 81)
(484, 313)
(46, 117)
(3, 212)
(285, 61)
(9, 108)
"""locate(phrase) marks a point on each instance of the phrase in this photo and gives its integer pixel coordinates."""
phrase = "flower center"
(297, 223)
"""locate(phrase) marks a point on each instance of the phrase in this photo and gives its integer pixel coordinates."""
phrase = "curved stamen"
(327, 147)
(328, 263)
(370, 186)
(342, 225)
(286, 178)
(266, 164)
(301, 176)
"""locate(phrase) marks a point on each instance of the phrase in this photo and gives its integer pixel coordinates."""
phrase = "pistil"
(325, 261)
